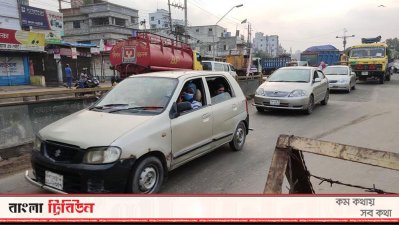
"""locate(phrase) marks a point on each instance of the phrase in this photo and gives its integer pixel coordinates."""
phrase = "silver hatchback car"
(293, 88)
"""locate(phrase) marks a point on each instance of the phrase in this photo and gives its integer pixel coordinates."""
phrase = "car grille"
(276, 94)
(63, 153)
(332, 81)
(71, 184)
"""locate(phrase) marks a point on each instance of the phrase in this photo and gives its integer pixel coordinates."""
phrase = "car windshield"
(367, 52)
(291, 75)
(336, 71)
(138, 95)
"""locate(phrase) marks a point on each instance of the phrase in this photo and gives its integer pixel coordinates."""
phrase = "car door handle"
(234, 106)
(206, 116)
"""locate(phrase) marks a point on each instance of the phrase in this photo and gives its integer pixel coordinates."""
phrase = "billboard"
(21, 40)
(9, 16)
(41, 19)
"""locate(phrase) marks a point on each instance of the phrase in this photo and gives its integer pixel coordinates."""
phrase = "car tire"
(354, 87)
(311, 105)
(239, 137)
(382, 78)
(388, 78)
(326, 98)
(147, 176)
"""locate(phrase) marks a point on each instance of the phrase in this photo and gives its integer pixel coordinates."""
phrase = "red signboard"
(21, 40)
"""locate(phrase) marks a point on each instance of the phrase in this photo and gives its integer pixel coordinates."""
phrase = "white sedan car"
(341, 78)
(293, 88)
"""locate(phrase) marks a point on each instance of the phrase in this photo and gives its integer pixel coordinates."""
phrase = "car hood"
(337, 77)
(285, 86)
(89, 128)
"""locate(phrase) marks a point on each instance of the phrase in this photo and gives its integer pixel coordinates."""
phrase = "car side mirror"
(353, 73)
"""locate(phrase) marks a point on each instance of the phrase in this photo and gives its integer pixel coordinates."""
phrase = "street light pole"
(214, 47)
(345, 37)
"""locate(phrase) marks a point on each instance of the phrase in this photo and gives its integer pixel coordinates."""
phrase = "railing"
(38, 96)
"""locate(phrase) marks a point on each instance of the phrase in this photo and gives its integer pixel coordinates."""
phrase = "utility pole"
(185, 21)
(170, 18)
(59, 5)
(178, 6)
(345, 37)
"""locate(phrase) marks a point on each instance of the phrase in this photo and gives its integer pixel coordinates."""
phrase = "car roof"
(339, 66)
(298, 68)
(178, 74)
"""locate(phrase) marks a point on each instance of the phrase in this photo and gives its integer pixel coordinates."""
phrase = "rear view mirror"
(353, 73)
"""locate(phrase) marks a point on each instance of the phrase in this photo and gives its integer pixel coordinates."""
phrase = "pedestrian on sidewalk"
(68, 74)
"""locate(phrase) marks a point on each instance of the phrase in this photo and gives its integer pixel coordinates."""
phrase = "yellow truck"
(370, 60)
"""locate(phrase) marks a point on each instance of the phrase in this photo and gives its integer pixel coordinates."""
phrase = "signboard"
(11, 66)
(21, 40)
(41, 19)
(129, 55)
(74, 53)
(9, 18)
(51, 36)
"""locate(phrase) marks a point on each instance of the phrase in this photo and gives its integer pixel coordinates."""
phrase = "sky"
(299, 23)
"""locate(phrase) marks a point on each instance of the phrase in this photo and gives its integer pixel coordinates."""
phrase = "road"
(367, 117)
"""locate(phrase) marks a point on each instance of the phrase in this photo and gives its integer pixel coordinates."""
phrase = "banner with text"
(41, 19)
(21, 40)
(228, 208)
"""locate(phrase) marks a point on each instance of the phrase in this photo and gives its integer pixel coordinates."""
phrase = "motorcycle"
(90, 82)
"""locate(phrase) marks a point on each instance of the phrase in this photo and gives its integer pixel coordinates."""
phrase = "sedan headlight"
(37, 143)
(102, 155)
(297, 93)
(343, 81)
(260, 91)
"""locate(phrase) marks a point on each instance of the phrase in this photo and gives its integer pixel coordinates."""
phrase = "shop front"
(15, 49)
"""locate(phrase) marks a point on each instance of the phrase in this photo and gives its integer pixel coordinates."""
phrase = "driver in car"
(188, 96)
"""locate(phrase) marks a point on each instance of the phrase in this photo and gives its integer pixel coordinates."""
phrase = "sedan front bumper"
(291, 103)
(339, 86)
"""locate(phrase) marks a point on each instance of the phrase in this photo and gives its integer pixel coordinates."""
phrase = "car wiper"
(137, 108)
(107, 106)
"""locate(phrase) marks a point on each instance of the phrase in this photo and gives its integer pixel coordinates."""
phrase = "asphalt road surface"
(367, 117)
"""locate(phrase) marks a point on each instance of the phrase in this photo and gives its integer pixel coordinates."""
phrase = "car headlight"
(102, 155)
(343, 81)
(37, 143)
(297, 93)
(260, 91)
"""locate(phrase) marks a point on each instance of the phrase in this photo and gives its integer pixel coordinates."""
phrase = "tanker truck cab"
(370, 61)
(143, 128)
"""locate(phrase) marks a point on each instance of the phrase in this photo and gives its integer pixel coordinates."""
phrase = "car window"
(207, 66)
(315, 75)
(220, 89)
(320, 74)
(219, 67)
(226, 67)
(291, 75)
(193, 91)
(232, 68)
(336, 71)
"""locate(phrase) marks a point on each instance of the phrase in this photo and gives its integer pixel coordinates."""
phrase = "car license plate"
(54, 180)
(274, 102)
(365, 73)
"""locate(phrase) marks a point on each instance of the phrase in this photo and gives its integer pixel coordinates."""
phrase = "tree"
(393, 43)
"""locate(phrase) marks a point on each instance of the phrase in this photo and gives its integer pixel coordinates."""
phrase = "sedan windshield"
(138, 95)
(291, 75)
(336, 71)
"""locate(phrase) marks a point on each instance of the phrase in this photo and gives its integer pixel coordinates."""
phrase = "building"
(92, 21)
(9, 17)
(160, 19)
(268, 44)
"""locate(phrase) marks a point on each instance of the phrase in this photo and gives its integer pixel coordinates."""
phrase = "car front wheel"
(147, 176)
(310, 108)
(326, 98)
(239, 137)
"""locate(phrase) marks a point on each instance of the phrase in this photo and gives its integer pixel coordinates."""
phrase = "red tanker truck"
(148, 52)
